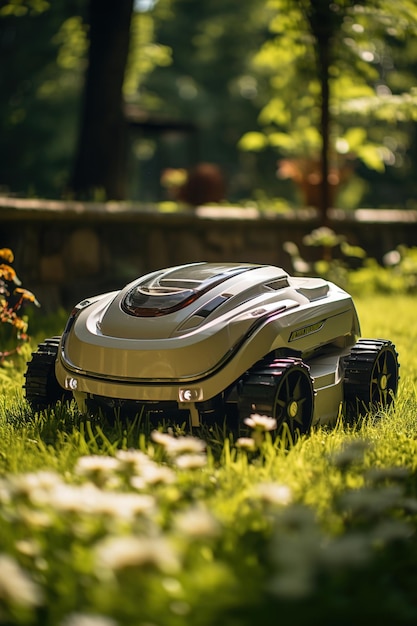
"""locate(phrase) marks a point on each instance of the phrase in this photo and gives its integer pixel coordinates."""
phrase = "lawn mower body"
(212, 340)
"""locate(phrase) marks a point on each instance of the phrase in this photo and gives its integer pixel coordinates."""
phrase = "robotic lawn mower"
(215, 341)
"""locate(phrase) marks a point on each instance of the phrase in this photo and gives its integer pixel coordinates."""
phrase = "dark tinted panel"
(171, 290)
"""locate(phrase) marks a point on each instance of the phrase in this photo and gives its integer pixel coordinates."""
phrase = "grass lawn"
(106, 526)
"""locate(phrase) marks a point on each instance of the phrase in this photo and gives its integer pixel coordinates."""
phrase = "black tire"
(282, 390)
(371, 376)
(41, 387)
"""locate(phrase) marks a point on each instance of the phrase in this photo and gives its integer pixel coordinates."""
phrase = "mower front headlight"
(190, 394)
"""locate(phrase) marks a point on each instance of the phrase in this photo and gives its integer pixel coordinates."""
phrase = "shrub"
(350, 268)
(13, 298)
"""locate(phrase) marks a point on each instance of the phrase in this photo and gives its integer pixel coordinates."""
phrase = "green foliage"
(145, 54)
(44, 44)
(19, 8)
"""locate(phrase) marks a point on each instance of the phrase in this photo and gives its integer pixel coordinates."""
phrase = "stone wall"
(66, 251)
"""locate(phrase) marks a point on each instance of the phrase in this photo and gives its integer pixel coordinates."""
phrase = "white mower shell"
(215, 341)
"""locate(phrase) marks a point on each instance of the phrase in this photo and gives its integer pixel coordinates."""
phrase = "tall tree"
(42, 46)
(100, 163)
(329, 63)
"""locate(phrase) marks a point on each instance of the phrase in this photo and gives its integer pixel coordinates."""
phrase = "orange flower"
(7, 272)
(7, 255)
(25, 294)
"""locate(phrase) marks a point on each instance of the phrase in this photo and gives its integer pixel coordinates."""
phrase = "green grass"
(101, 525)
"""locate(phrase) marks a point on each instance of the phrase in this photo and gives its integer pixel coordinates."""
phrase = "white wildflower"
(163, 439)
(73, 498)
(153, 474)
(97, 468)
(274, 493)
(16, 586)
(191, 461)
(246, 443)
(125, 505)
(88, 499)
(84, 619)
(28, 547)
(132, 460)
(179, 445)
(35, 518)
(37, 480)
(5, 491)
(261, 422)
(138, 483)
(35, 485)
(96, 462)
(188, 445)
(391, 258)
(197, 522)
(117, 553)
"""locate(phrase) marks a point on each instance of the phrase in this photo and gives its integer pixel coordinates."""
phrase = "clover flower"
(261, 423)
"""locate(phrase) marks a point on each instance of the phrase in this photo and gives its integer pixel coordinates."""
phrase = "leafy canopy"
(370, 54)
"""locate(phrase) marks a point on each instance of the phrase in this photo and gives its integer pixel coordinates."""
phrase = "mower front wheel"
(283, 390)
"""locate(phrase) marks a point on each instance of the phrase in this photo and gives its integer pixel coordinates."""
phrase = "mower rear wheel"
(41, 387)
(371, 376)
(283, 390)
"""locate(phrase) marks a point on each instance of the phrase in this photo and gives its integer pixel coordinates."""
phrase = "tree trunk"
(324, 23)
(323, 60)
(100, 163)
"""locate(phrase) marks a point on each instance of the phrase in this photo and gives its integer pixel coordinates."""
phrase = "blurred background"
(120, 100)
